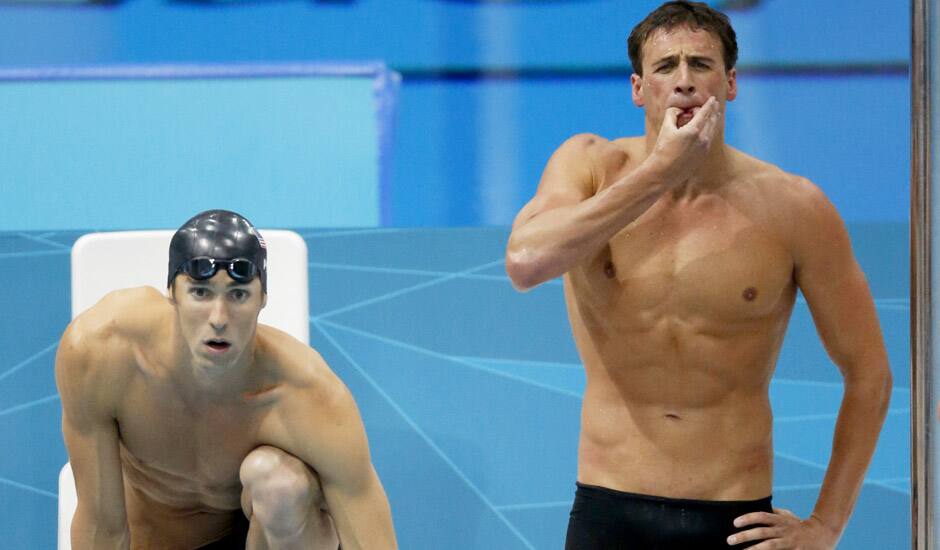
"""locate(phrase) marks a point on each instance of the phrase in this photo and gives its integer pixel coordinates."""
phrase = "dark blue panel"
(37, 302)
(28, 519)
(472, 153)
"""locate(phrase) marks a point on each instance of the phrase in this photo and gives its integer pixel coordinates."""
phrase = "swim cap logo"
(261, 242)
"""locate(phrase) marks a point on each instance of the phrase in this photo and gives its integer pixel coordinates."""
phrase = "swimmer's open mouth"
(217, 344)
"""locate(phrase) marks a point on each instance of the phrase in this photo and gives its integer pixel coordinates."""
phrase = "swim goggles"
(241, 270)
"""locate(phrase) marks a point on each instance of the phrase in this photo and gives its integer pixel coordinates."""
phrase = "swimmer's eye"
(239, 294)
(200, 292)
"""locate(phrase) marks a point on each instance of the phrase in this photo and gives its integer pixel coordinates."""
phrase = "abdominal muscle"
(718, 452)
(678, 409)
(166, 511)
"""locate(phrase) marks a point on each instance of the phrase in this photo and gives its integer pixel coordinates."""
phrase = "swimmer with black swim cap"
(217, 446)
(215, 239)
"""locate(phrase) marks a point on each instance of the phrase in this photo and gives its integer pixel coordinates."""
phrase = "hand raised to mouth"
(681, 148)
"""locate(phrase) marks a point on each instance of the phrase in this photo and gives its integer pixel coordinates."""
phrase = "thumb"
(671, 119)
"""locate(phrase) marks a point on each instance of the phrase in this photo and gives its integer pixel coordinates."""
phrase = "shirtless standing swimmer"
(189, 425)
(682, 257)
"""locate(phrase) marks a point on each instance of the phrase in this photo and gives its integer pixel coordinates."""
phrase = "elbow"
(887, 387)
(877, 388)
(522, 271)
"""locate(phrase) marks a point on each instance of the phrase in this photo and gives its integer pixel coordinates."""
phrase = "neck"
(203, 382)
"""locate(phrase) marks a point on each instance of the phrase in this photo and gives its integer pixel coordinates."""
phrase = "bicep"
(567, 180)
(91, 439)
(352, 489)
(837, 291)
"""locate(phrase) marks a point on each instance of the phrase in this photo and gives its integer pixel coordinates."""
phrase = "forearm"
(363, 519)
(371, 528)
(554, 241)
(863, 410)
(91, 534)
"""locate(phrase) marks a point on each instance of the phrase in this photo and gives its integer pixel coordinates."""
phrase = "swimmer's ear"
(732, 84)
(636, 89)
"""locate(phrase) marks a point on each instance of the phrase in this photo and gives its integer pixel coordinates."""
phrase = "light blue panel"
(116, 154)
(426, 34)
(564, 377)
(793, 399)
(811, 441)
(791, 473)
(546, 526)
(463, 386)
(484, 423)
(424, 488)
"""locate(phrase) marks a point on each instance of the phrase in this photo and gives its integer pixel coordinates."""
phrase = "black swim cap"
(220, 235)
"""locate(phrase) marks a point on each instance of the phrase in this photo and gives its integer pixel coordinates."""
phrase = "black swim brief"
(605, 519)
(236, 539)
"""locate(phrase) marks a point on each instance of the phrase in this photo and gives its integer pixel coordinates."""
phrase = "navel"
(749, 294)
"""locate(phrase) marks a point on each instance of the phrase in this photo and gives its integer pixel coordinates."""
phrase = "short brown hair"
(681, 13)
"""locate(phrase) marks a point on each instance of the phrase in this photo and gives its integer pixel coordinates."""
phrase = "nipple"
(749, 294)
(609, 269)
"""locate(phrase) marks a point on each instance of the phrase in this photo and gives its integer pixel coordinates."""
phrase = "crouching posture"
(189, 425)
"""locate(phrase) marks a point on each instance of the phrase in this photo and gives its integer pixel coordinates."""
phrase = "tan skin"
(682, 258)
(159, 415)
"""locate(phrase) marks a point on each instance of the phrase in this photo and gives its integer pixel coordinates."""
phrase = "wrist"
(652, 172)
(830, 526)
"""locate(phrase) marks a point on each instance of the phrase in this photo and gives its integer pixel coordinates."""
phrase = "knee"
(281, 488)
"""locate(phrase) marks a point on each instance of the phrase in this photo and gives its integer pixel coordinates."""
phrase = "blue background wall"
(491, 88)
(296, 148)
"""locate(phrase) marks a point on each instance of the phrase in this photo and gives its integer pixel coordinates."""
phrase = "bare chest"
(702, 262)
(183, 456)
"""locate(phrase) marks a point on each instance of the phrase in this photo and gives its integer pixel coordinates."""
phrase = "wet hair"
(220, 235)
(681, 13)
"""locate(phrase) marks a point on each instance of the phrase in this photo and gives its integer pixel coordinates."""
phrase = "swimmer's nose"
(218, 317)
(684, 85)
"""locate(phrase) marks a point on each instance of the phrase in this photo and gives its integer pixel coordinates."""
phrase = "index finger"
(704, 115)
(755, 518)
